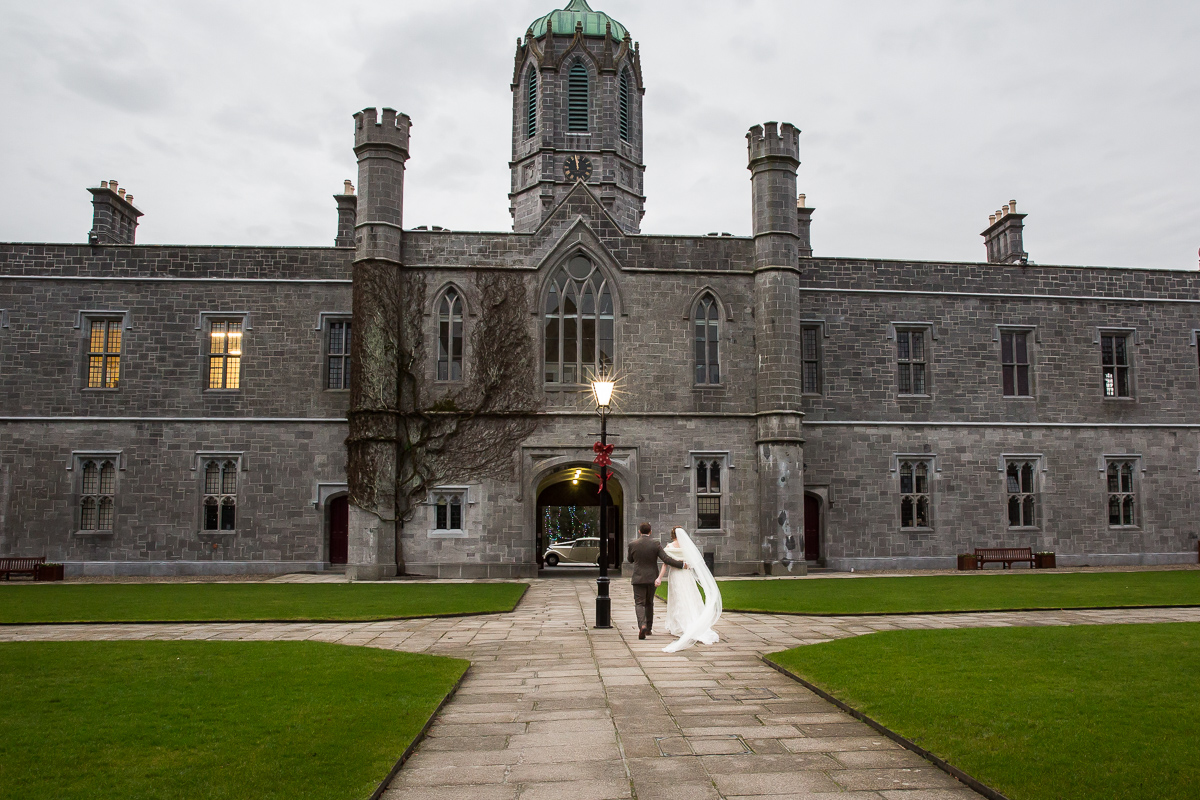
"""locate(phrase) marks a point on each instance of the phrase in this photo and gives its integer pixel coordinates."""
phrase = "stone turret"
(347, 207)
(577, 116)
(114, 219)
(381, 144)
(774, 156)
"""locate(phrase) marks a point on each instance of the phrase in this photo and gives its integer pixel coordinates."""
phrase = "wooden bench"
(1002, 555)
(20, 566)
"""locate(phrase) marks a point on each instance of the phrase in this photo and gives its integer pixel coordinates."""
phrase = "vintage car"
(580, 551)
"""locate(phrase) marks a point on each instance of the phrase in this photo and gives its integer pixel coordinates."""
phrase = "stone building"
(194, 409)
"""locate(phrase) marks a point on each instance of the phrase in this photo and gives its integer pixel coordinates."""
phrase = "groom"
(644, 554)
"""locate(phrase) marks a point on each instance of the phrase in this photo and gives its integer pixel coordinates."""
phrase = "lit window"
(914, 494)
(1020, 483)
(708, 369)
(225, 354)
(1014, 363)
(911, 361)
(1114, 359)
(97, 491)
(450, 337)
(577, 98)
(104, 354)
(220, 495)
(708, 493)
(578, 326)
(337, 368)
(1122, 498)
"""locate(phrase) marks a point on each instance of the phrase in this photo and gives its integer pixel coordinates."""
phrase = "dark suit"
(644, 554)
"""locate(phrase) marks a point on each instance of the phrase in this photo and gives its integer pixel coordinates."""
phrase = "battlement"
(772, 140)
(389, 129)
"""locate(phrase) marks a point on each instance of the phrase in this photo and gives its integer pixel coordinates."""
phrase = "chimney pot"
(103, 184)
(991, 219)
(1012, 206)
(1006, 211)
(129, 199)
(349, 188)
(121, 192)
(112, 184)
(800, 201)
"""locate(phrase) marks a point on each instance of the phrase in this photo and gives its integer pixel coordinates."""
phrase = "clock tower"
(577, 117)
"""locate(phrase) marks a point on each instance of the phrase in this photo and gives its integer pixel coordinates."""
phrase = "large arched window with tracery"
(450, 337)
(578, 323)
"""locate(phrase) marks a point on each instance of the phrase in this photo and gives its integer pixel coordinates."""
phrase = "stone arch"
(624, 476)
(689, 310)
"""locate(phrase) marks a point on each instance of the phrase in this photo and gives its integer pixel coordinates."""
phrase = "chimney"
(347, 208)
(1004, 237)
(114, 219)
(803, 224)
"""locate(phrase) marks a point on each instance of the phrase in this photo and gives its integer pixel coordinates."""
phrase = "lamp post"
(602, 389)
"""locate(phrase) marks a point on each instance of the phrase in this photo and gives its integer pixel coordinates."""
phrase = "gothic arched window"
(220, 495)
(578, 325)
(97, 488)
(531, 93)
(577, 98)
(450, 337)
(706, 319)
(626, 102)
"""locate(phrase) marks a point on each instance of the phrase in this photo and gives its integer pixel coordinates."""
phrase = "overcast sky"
(230, 122)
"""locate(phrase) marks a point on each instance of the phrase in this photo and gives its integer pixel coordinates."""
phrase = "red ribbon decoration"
(603, 459)
(603, 454)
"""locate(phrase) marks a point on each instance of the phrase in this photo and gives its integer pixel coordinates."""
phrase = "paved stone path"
(555, 709)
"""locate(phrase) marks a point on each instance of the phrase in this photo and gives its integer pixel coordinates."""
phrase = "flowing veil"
(698, 627)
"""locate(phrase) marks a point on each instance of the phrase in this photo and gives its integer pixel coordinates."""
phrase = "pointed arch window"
(98, 483)
(450, 337)
(706, 321)
(914, 494)
(220, 495)
(531, 96)
(578, 323)
(626, 103)
(577, 98)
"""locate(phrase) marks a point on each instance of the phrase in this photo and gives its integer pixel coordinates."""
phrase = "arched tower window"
(577, 98)
(578, 325)
(531, 92)
(626, 103)
(450, 337)
(707, 319)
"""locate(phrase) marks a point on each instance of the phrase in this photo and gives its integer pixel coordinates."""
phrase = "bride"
(689, 616)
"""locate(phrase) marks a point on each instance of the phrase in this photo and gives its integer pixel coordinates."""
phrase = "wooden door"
(812, 528)
(339, 528)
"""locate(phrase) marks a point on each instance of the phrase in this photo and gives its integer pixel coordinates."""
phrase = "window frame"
(1037, 461)
(1133, 494)
(929, 336)
(817, 329)
(460, 301)
(532, 93)
(78, 462)
(327, 354)
(625, 105)
(115, 321)
(1130, 337)
(200, 466)
(209, 320)
(932, 470)
(711, 358)
(449, 493)
(721, 460)
(1031, 339)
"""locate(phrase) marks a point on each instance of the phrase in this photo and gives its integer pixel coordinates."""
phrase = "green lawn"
(200, 602)
(971, 592)
(1065, 712)
(201, 720)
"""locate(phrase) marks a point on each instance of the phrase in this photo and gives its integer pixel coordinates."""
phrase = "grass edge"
(940, 763)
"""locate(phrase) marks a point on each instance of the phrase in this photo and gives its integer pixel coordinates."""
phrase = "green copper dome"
(594, 22)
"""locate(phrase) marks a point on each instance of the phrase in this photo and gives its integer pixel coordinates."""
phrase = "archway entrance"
(339, 526)
(812, 527)
(568, 508)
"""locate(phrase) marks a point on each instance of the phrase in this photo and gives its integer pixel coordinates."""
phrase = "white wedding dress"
(690, 616)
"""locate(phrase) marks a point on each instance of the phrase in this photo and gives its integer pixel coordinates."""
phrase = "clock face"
(577, 168)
